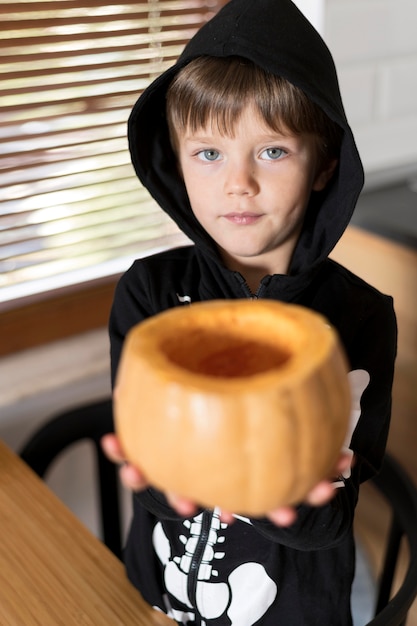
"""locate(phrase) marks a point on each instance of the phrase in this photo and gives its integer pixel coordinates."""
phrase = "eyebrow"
(201, 138)
(197, 138)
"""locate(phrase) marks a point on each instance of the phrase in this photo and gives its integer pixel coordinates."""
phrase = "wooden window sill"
(62, 314)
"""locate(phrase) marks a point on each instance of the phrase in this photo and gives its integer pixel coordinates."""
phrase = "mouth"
(243, 219)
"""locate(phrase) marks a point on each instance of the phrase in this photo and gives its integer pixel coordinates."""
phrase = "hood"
(275, 35)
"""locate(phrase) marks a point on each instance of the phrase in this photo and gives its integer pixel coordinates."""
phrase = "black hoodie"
(252, 572)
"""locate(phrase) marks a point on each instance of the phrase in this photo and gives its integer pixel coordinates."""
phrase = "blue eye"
(209, 155)
(273, 153)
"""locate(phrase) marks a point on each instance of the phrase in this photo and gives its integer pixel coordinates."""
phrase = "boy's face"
(250, 191)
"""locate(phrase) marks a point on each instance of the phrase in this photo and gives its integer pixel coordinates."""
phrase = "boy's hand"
(130, 476)
(133, 479)
(320, 495)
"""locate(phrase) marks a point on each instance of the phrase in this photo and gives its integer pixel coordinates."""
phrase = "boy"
(244, 143)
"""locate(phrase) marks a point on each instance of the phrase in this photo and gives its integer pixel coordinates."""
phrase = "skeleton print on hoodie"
(201, 571)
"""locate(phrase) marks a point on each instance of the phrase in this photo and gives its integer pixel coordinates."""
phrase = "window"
(72, 213)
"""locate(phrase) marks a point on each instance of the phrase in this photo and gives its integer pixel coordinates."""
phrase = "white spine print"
(214, 598)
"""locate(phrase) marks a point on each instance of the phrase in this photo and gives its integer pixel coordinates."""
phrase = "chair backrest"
(88, 422)
(396, 486)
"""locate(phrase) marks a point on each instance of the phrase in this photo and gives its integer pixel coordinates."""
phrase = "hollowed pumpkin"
(239, 404)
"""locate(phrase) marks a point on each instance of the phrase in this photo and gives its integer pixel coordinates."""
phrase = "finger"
(182, 506)
(345, 461)
(112, 448)
(132, 478)
(226, 517)
(322, 493)
(283, 516)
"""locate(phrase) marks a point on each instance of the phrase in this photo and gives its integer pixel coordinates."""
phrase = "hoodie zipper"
(248, 291)
(198, 554)
(197, 559)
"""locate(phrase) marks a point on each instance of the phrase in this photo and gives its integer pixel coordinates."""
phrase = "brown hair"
(216, 90)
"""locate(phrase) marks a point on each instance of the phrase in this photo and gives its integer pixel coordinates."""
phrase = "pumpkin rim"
(314, 337)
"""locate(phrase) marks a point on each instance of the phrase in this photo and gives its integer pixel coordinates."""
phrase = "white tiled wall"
(374, 44)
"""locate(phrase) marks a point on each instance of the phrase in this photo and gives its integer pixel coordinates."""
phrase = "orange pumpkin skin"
(239, 404)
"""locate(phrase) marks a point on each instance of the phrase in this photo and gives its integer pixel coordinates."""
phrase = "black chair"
(89, 422)
(401, 495)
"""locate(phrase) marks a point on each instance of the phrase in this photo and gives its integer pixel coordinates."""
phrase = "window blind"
(71, 207)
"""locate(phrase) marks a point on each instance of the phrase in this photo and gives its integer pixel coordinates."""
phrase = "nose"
(241, 179)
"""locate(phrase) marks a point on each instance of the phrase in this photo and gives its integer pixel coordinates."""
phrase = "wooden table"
(53, 571)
